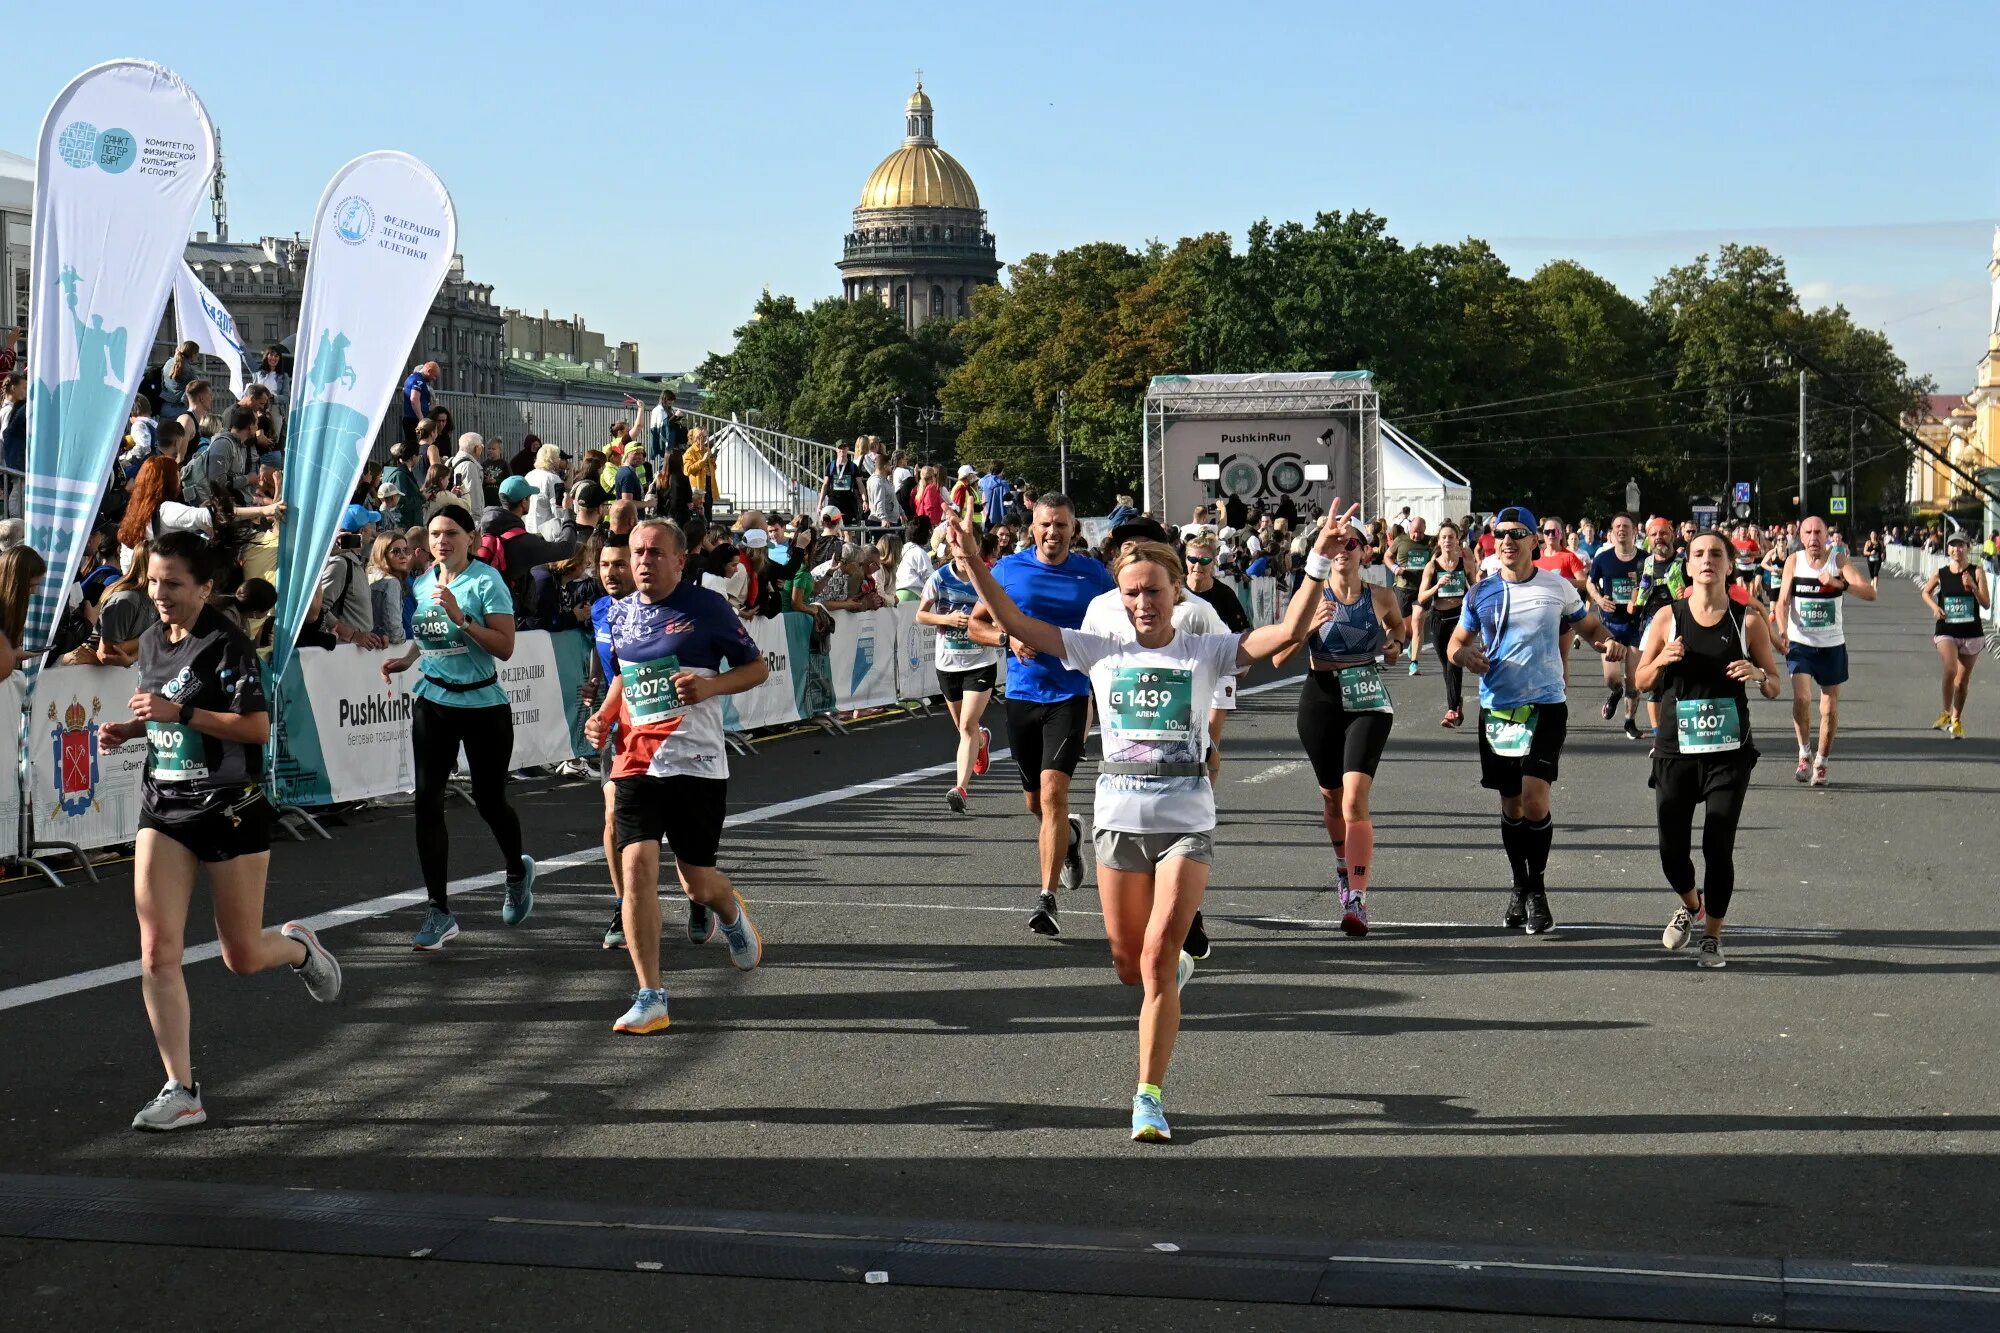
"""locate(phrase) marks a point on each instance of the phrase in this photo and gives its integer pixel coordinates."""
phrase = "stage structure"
(1310, 435)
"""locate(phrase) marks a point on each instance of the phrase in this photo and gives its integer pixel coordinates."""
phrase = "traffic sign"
(1742, 511)
(1743, 492)
(1837, 505)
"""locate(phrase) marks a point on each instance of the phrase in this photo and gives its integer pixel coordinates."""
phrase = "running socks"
(1149, 1090)
(1535, 841)
(1512, 833)
(1336, 831)
(1361, 853)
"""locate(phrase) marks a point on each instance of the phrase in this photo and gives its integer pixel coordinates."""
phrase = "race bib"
(435, 634)
(1817, 612)
(1452, 584)
(176, 753)
(1419, 557)
(956, 640)
(1152, 703)
(1708, 726)
(1624, 590)
(1510, 732)
(843, 482)
(1961, 608)
(650, 692)
(1361, 690)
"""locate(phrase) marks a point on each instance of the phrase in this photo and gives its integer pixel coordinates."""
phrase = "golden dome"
(919, 100)
(919, 176)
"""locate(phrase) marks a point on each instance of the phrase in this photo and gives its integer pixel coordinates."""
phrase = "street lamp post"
(1802, 444)
(1062, 441)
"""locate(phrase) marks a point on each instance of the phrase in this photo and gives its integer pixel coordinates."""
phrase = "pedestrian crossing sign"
(1837, 505)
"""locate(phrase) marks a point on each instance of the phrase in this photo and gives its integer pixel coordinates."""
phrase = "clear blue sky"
(653, 166)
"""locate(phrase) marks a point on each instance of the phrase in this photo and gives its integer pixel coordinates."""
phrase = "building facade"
(1966, 429)
(919, 243)
(538, 337)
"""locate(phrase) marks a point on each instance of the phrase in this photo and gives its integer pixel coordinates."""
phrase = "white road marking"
(1275, 771)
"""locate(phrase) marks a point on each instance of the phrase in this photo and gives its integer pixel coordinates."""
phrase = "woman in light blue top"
(464, 628)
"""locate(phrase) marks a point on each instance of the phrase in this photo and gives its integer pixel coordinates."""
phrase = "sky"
(653, 167)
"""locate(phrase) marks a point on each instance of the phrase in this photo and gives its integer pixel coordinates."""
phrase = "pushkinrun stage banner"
(381, 244)
(124, 158)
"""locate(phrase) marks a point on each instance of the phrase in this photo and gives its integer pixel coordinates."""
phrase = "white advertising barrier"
(11, 691)
(80, 791)
(344, 735)
(541, 713)
(863, 658)
(916, 666)
(776, 702)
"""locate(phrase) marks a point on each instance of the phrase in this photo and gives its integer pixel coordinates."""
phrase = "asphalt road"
(910, 1049)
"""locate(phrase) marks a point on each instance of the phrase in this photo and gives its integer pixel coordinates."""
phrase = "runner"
(1662, 578)
(1048, 705)
(1511, 636)
(966, 670)
(1699, 653)
(1956, 595)
(670, 640)
(1155, 810)
(1447, 579)
(464, 627)
(1200, 553)
(1345, 714)
(614, 572)
(200, 708)
(1814, 639)
(1409, 557)
(1614, 588)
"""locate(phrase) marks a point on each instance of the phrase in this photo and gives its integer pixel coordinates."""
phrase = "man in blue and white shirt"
(1511, 635)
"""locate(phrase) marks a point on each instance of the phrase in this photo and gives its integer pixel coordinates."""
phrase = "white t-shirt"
(1106, 615)
(914, 568)
(1146, 708)
(947, 594)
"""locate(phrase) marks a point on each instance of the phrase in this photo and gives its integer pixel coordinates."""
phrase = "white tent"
(1413, 476)
(17, 182)
(748, 477)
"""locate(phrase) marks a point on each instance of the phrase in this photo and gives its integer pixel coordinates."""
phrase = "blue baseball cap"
(1516, 514)
(356, 517)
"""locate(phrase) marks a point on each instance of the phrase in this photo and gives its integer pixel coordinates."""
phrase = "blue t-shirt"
(449, 654)
(625, 484)
(1058, 594)
(422, 388)
(1617, 579)
(600, 632)
(1522, 625)
(995, 491)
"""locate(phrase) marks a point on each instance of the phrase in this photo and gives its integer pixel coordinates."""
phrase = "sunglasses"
(1512, 535)
(1201, 560)
(1351, 544)
(1552, 532)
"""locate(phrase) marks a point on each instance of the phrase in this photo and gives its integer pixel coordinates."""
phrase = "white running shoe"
(746, 945)
(1679, 928)
(176, 1107)
(1710, 954)
(321, 970)
(1183, 971)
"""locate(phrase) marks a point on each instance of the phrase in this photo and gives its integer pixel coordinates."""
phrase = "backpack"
(520, 582)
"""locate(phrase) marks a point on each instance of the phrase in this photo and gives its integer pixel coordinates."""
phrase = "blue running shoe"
(614, 934)
(746, 946)
(520, 899)
(1149, 1120)
(437, 928)
(702, 924)
(647, 1014)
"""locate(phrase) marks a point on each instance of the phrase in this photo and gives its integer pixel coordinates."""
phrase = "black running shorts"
(686, 811)
(1047, 738)
(217, 836)
(1544, 753)
(1338, 742)
(958, 684)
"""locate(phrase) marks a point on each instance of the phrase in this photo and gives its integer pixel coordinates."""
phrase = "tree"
(766, 368)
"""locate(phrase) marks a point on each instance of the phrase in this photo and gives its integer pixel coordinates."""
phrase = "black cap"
(590, 495)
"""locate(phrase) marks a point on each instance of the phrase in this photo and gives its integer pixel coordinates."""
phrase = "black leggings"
(1679, 784)
(1444, 624)
(436, 732)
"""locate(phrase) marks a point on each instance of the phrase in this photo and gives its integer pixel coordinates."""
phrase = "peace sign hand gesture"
(1338, 529)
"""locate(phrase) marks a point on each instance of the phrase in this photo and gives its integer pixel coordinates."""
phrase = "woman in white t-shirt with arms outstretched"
(1155, 811)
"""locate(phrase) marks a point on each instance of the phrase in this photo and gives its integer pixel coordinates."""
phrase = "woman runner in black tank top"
(1700, 652)
(1956, 595)
(1447, 578)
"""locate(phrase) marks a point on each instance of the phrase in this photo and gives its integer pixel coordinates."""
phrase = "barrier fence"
(344, 735)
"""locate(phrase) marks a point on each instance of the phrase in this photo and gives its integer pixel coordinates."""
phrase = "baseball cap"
(590, 495)
(515, 489)
(356, 517)
(966, 470)
(754, 539)
(1957, 539)
(830, 511)
(1516, 514)
(388, 490)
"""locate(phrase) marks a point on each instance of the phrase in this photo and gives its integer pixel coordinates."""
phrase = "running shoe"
(1958, 728)
(176, 1107)
(984, 759)
(1803, 773)
(1072, 870)
(1517, 911)
(1353, 914)
(1540, 922)
(1943, 722)
(1632, 729)
(955, 798)
(438, 927)
(320, 971)
(1196, 944)
(1711, 953)
(1043, 922)
(614, 934)
(1679, 927)
(520, 897)
(701, 923)
(746, 945)
(1819, 773)
(1453, 718)
(1183, 972)
(1149, 1120)
(1611, 703)
(1413, 667)
(647, 1014)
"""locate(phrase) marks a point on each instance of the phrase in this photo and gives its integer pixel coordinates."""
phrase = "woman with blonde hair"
(389, 596)
(21, 572)
(545, 505)
(930, 496)
(176, 378)
(699, 465)
(1155, 809)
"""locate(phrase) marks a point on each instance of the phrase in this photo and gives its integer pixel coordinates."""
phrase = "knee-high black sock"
(1535, 840)
(1512, 833)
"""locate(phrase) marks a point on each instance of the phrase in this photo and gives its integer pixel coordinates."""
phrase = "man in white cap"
(965, 493)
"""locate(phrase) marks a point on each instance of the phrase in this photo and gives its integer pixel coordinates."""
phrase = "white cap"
(966, 470)
(830, 511)
(754, 539)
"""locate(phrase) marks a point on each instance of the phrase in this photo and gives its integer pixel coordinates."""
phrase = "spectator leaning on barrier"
(915, 567)
(389, 587)
(342, 609)
(21, 572)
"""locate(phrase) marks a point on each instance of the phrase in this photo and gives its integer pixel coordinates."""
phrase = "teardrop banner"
(124, 160)
(381, 246)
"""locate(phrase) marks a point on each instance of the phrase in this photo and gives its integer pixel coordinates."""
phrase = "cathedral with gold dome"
(919, 244)
(1963, 427)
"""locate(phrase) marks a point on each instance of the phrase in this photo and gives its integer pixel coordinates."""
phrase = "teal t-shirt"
(449, 654)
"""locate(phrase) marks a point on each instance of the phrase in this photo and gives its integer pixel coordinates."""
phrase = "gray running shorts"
(1142, 852)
